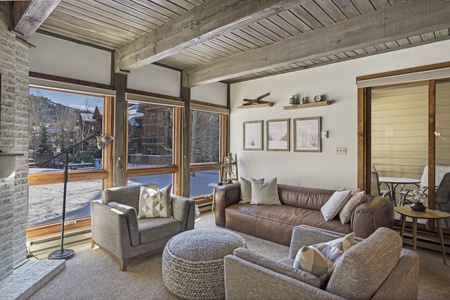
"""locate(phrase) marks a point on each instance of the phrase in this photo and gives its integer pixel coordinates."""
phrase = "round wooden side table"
(406, 211)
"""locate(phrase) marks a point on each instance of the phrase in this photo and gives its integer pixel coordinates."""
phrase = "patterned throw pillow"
(155, 203)
(320, 259)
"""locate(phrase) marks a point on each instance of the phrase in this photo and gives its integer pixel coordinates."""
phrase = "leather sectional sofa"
(300, 206)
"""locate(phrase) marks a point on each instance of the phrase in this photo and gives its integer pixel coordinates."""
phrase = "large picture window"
(150, 135)
(59, 120)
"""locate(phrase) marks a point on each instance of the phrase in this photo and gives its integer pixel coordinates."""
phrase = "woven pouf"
(192, 262)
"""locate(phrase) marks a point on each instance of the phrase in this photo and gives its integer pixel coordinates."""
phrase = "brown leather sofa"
(300, 206)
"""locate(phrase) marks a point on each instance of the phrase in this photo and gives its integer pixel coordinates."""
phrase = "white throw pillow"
(334, 205)
(155, 203)
(246, 190)
(320, 259)
(265, 193)
(346, 212)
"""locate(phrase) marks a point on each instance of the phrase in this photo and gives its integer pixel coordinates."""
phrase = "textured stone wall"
(13, 138)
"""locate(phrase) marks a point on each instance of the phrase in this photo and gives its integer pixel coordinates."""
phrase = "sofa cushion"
(277, 267)
(320, 259)
(364, 267)
(151, 230)
(246, 190)
(349, 207)
(334, 204)
(155, 203)
(265, 193)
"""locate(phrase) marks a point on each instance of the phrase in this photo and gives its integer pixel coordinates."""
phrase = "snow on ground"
(45, 201)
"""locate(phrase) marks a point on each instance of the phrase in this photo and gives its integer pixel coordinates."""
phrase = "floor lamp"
(103, 140)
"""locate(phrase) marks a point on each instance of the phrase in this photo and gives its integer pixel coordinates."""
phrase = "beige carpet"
(92, 274)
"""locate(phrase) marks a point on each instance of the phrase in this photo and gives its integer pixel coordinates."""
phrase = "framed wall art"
(277, 135)
(307, 134)
(253, 135)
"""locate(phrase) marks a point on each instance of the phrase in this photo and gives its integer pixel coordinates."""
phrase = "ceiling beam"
(389, 24)
(29, 15)
(204, 22)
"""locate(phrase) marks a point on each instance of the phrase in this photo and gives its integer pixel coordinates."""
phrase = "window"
(58, 121)
(205, 151)
(150, 129)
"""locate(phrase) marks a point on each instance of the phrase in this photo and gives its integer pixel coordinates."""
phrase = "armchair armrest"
(372, 214)
(225, 196)
(109, 229)
(131, 217)
(183, 209)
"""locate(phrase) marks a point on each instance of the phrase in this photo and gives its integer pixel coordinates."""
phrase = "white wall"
(215, 93)
(54, 56)
(155, 79)
(338, 83)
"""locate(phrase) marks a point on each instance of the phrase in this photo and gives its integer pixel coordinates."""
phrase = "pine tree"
(43, 143)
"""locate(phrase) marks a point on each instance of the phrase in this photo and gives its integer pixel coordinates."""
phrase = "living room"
(50, 61)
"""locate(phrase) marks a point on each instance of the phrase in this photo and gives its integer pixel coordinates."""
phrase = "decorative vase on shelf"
(418, 200)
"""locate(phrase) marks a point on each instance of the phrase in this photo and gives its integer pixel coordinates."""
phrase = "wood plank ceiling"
(237, 40)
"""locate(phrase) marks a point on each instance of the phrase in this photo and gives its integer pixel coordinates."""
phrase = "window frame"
(60, 84)
(223, 144)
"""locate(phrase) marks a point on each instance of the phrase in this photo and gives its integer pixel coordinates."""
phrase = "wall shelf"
(257, 105)
(307, 105)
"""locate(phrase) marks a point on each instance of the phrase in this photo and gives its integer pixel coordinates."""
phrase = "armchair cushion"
(127, 195)
(363, 268)
(151, 230)
(154, 203)
(131, 218)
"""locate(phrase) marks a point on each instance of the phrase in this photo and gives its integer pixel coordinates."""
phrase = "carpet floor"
(93, 274)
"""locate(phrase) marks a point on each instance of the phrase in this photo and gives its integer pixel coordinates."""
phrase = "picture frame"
(253, 135)
(278, 135)
(307, 134)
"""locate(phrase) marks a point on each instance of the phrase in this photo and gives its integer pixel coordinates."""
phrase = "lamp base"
(62, 254)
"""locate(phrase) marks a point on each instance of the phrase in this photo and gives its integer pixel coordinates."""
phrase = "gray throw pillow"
(334, 205)
(246, 190)
(265, 193)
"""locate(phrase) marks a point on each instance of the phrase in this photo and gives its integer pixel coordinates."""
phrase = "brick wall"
(13, 138)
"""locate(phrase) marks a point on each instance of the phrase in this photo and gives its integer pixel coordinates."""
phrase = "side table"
(430, 214)
(215, 186)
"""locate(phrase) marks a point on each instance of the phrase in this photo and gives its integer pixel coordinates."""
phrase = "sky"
(68, 99)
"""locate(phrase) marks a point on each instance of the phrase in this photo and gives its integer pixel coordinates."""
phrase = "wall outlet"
(341, 150)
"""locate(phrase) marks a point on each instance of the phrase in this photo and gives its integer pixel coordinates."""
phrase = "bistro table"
(430, 214)
(394, 182)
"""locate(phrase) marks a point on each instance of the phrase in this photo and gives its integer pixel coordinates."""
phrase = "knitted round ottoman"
(192, 262)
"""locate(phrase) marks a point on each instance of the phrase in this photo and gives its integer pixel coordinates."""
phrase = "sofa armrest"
(225, 196)
(372, 214)
(246, 280)
(183, 209)
(109, 229)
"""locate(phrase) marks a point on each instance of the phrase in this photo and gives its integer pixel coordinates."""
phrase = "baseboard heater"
(205, 207)
(47, 242)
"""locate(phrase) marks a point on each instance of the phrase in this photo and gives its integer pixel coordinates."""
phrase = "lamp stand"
(63, 253)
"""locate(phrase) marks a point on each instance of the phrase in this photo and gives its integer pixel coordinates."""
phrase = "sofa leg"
(124, 264)
(92, 244)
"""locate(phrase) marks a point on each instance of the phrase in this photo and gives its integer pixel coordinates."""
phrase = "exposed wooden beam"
(29, 15)
(389, 24)
(205, 22)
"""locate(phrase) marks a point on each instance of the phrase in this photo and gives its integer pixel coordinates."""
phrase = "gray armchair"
(116, 229)
(374, 268)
